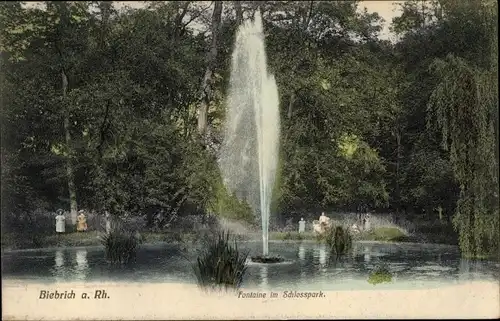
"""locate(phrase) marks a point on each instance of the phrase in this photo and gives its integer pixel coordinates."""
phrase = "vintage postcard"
(249, 160)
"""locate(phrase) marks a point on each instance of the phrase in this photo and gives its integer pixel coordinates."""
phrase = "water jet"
(249, 151)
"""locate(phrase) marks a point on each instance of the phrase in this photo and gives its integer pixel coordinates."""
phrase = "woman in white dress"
(60, 222)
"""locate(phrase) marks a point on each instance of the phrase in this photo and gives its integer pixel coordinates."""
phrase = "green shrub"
(293, 236)
(386, 234)
(28, 229)
(121, 245)
(222, 265)
(229, 206)
(380, 275)
(284, 236)
(338, 239)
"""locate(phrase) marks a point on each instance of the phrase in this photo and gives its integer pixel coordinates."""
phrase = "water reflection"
(311, 264)
(469, 269)
(355, 250)
(367, 254)
(302, 252)
(82, 266)
(58, 268)
(59, 259)
(322, 255)
(264, 277)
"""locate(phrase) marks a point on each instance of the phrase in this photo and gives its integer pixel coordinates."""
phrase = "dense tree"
(103, 109)
(451, 59)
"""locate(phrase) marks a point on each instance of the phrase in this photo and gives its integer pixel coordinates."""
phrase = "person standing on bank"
(82, 222)
(108, 222)
(60, 222)
(302, 225)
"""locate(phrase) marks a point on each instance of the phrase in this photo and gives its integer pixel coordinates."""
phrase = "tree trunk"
(398, 158)
(308, 17)
(62, 10)
(239, 12)
(306, 20)
(290, 105)
(206, 86)
(69, 164)
(105, 7)
(423, 13)
(179, 28)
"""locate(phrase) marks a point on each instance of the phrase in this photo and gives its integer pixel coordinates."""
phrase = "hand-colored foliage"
(99, 108)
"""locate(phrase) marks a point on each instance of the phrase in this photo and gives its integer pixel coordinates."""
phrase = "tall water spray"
(249, 152)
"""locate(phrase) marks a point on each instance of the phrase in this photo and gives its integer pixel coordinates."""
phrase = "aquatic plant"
(339, 239)
(222, 265)
(380, 275)
(121, 245)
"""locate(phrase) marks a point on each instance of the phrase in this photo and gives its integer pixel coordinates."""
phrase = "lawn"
(92, 238)
(387, 234)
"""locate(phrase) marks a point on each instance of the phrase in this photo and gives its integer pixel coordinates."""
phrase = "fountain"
(249, 152)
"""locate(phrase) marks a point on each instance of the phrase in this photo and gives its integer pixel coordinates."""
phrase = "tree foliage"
(362, 118)
(462, 107)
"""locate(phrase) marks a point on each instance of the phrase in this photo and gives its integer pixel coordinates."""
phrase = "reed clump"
(338, 239)
(120, 245)
(221, 265)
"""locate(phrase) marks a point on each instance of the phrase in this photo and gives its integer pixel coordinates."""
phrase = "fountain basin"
(267, 259)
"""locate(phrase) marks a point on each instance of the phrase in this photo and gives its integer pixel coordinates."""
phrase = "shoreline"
(477, 299)
(70, 246)
(91, 239)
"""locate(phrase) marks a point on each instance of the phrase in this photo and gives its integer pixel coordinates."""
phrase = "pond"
(309, 266)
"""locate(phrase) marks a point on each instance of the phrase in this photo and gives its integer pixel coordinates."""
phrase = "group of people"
(364, 223)
(81, 221)
(320, 225)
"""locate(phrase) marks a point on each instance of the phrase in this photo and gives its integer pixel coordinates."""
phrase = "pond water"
(309, 266)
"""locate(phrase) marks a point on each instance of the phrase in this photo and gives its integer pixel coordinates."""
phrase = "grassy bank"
(91, 238)
(387, 234)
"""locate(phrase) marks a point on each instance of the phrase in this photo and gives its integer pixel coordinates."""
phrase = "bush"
(293, 236)
(121, 245)
(387, 234)
(380, 275)
(287, 236)
(227, 205)
(338, 239)
(222, 265)
(29, 229)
